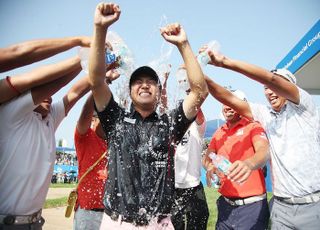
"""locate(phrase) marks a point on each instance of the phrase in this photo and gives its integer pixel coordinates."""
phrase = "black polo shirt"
(141, 160)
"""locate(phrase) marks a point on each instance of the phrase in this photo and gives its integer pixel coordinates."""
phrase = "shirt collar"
(135, 114)
(271, 110)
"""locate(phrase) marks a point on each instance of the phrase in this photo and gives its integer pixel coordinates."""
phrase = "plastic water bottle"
(204, 58)
(182, 79)
(84, 58)
(110, 57)
(121, 53)
(215, 181)
(220, 162)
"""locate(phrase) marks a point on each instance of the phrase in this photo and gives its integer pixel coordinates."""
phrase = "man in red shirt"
(90, 145)
(243, 203)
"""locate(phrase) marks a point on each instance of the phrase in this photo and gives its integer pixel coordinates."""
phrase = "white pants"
(87, 220)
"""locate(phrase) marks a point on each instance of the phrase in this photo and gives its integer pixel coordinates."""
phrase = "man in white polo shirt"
(27, 145)
(292, 124)
(190, 210)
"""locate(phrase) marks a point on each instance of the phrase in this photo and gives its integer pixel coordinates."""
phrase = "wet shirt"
(141, 160)
(89, 148)
(188, 157)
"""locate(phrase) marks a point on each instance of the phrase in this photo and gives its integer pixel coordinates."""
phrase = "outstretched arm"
(276, 83)
(38, 77)
(29, 52)
(175, 34)
(227, 98)
(63, 72)
(105, 15)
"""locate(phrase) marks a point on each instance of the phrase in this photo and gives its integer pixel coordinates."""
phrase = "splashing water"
(124, 56)
(161, 64)
(120, 53)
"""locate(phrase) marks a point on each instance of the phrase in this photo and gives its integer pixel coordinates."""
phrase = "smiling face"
(276, 101)
(230, 115)
(145, 93)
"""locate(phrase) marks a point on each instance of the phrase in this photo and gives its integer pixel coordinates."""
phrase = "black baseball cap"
(144, 70)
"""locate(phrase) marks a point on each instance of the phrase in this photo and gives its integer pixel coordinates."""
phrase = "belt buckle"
(231, 202)
(9, 220)
(34, 218)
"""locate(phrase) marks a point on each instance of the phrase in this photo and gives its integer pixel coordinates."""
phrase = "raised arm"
(227, 98)
(276, 83)
(85, 118)
(63, 72)
(78, 90)
(105, 15)
(175, 34)
(29, 52)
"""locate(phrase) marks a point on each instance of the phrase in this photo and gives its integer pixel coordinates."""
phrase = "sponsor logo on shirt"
(130, 120)
(239, 132)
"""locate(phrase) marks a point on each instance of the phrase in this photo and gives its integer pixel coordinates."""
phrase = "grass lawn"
(211, 195)
(62, 185)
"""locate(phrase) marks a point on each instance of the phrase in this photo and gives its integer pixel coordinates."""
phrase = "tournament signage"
(308, 47)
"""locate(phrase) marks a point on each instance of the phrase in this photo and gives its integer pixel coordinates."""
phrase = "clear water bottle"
(220, 162)
(121, 53)
(84, 53)
(84, 58)
(215, 181)
(203, 58)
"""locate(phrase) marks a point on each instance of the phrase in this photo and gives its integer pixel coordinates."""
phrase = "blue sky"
(259, 32)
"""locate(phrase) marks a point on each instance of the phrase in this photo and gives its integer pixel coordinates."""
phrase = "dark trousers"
(254, 216)
(190, 210)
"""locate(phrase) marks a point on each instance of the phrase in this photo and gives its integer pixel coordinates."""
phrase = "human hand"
(167, 73)
(106, 14)
(216, 58)
(85, 41)
(239, 171)
(174, 33)
(112, 75)
(215, 178)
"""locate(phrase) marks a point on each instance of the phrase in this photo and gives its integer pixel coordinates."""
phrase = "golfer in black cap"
(140, 185)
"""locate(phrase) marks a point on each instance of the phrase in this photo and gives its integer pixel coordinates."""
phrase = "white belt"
(27, 219)
(311, 198)
(244, 201)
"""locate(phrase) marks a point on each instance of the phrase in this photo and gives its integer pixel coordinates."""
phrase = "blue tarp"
(65, 168)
